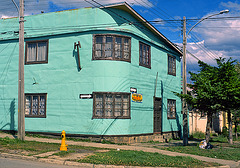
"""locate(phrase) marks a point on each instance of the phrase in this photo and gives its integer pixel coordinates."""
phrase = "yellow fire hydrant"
(63, 144)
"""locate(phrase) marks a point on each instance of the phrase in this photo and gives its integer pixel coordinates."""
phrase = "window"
(171, 109)
(36, 52)
(35, 105)
(144, 55)
(111, 47)
(171, 65)
(111, 105)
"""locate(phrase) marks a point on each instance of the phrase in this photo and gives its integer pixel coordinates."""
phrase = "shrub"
(198, 135)
(225, 131)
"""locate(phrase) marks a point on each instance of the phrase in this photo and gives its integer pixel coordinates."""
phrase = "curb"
(71, 163)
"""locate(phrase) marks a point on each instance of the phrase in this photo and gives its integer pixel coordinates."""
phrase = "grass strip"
(34, 147)
(140, 158)
(219, 152)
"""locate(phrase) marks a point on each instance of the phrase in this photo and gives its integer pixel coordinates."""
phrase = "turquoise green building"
(92, 72)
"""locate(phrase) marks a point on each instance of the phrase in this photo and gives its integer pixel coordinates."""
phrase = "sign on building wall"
(85, 96)
(136, 97)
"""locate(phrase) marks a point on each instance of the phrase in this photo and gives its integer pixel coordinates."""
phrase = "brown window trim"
(112, 117)
(26, 54)
(149, 56)
(171, 73)
(175, 109)
(45, 107)
(111, 58)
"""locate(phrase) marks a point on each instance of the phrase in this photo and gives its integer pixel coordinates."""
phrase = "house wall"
(63, 83)
(197, 123)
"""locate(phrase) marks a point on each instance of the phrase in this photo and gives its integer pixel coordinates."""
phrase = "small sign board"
(136, 97)
(85, 96)
(133, 90)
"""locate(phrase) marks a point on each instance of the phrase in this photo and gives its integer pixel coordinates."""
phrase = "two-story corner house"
(93, 72)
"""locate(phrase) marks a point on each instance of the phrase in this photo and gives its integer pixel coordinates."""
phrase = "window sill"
(35, 116)
(172, 74)
(146, 66)
(170, 118)
(36, 62)
(112, 59)
(111, 118)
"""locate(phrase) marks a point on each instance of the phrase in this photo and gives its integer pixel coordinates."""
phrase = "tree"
(236, 120)
(215, 89)
(204, 89)
(229, 92)
(236, 113)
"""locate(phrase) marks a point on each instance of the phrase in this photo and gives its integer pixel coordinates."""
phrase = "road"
(17, 163)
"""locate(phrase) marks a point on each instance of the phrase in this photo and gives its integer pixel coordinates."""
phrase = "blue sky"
(209, 40)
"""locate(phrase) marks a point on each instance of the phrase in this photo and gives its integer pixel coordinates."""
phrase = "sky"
(211, 39)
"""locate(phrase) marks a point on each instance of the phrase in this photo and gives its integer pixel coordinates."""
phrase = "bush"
(225, 131)
(198, 135)
(238, 128)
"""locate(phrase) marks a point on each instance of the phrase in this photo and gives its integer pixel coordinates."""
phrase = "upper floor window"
(144, 55)
(36, 52)
(171, 65)
(111, 47)
(111, 105)
(35, 104)
(171, 109)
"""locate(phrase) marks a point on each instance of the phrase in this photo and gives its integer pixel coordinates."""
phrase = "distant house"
(198, 120)
(92, 72)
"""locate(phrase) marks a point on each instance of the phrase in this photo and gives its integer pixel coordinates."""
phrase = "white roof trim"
(144, 21)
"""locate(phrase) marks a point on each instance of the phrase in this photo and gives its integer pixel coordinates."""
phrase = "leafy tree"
(229, 92)
(237, 66)
(214, 89)
(236, 113)
(236, 120)
(204, 89)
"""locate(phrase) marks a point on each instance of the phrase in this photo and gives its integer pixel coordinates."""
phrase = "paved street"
(18, 163)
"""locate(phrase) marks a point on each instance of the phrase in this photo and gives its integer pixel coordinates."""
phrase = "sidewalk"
(137, 147)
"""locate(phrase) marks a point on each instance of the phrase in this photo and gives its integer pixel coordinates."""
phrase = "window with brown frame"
(111, 105)
(35, 105)
(171, 65)
(144, 55)
(111, 47)
(36, 52)
(171, 109)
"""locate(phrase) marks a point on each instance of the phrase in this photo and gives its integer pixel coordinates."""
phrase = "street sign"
(85, 96)
(133, 90)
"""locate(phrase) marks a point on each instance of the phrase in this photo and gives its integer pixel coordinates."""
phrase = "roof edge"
(129, 9)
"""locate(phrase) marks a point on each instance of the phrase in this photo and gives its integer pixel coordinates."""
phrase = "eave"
(125, 7)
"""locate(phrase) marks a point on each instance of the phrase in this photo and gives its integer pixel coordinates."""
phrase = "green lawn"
(34, 147)
(220, 150)
(140, 158)
(112, 157)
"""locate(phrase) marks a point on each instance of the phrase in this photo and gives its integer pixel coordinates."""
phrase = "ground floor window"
(111, 105)
(171, 109)
(35, 104)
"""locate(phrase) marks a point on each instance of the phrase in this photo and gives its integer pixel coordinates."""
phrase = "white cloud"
(221, 36)
(7, 8)
(159, 21)
(231, 5)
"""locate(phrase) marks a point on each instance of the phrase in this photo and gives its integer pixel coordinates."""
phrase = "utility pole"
(184, 69)
(21, 95)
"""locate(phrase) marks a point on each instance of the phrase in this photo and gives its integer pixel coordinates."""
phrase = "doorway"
(157, 116)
